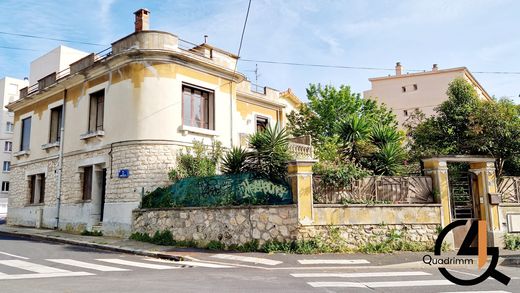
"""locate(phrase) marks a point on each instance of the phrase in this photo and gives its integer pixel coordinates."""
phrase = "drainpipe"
(60, 159)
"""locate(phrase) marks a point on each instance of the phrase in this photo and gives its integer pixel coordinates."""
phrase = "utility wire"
(360, 67)
(239, 51)
(242, 36)
(15, 48)
(52, 39)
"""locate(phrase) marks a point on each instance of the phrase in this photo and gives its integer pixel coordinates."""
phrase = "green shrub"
(250, 246)
(277, 246)
(197, 161)
(512, 241)
(235, 161)
(163, 238)
(91, 233)
(216, 245)
(138, 236)
(338, 174)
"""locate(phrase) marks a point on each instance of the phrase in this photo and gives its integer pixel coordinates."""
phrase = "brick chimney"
(398, 68)
(435, 67)
(142, 20)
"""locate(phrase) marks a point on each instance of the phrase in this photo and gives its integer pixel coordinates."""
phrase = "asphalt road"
(31, 266)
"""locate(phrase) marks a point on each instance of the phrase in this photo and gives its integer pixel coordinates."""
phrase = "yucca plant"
(388, 160)
(235, 161)
(270, 153)
(354, 131)
(384, 134)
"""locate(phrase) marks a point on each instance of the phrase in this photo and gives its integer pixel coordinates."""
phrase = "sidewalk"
(414, 259)
(97, 242)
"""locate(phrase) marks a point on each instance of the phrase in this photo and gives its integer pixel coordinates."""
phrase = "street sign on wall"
(123, 173)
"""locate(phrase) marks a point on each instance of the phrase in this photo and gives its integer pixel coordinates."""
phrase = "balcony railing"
(57, 76)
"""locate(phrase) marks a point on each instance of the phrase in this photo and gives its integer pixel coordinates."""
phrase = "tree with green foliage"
(466, 125)
(347, 129)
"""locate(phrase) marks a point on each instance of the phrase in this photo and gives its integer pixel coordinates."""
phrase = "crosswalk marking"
(359, 275)
(48, 275)
(24, 265)
(264, 261)
(382, 284)
(13, 255)
(191, 263)
(137, 264)
(87, 265)
(333, 261)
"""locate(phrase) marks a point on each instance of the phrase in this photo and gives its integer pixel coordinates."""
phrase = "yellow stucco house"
(406, 92)
(126, 113)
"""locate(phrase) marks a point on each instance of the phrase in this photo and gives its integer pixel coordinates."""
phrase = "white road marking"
(137, 264)
(263, 261)
(191, 263)
(13, 255)
(419, 283)
(463, 273)
(24, 265)
(478, 292)
(332, 261)
(49, 275)
(359, 275)
(87, 265)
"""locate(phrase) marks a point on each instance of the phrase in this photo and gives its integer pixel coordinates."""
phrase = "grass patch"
(91, 233)
(216, 245)
(162, 238)
(512, 241)
(335, 244)
(394, 242)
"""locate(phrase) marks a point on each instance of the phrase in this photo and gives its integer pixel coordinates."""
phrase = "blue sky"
(482, 35)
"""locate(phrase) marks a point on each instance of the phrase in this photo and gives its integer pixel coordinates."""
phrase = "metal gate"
(461, 195)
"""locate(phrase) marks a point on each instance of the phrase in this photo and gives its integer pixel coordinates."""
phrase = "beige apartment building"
(406, 92)
(91, 139)
(9, 92)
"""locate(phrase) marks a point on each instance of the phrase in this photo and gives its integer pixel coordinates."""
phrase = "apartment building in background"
(9, 92)
(406, 92)
(92, 138)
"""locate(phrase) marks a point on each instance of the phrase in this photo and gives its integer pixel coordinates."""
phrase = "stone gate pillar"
(300, 179)
(487, 188)
(438, 171)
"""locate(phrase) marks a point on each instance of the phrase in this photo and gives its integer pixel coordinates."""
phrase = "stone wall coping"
(214, 208)
(409, 205)
(509, 204)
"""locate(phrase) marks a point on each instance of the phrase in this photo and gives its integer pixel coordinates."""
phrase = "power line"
(359, 67)
(15, 48)
(51, 39)
(242, 36)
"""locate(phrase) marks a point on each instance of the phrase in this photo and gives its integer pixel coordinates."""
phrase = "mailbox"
(494, 198)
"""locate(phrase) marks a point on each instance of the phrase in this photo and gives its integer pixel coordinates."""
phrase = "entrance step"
(97, 228)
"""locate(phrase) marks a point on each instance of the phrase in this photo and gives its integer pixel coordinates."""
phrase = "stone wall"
(356, 225)
(353, 236)
(229, 225)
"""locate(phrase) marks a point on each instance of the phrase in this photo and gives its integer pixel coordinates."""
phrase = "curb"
(95, 245)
